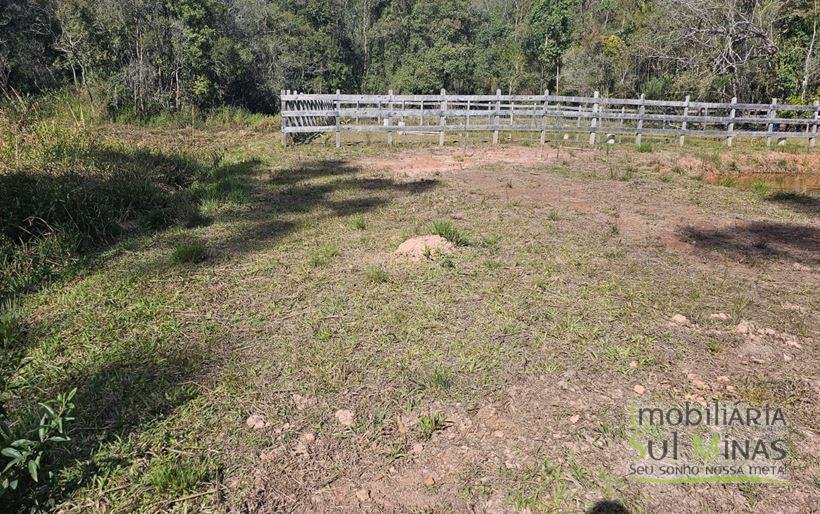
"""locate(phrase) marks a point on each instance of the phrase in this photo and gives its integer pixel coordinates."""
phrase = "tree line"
(149, 56)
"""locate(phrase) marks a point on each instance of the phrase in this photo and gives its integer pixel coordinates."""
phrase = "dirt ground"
(489, 447)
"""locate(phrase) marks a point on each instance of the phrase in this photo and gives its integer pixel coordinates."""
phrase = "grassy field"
(242, 334)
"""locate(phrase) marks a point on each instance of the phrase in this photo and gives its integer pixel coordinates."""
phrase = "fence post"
(497, 115)
(683, 123)
(593, 122)
(641, 112)
(544, 117)
(442, 121)
(283, 120)
(338, 118)
(467, 121)
(730, 129)
(813, 138)
(770, 128)
(389, 118)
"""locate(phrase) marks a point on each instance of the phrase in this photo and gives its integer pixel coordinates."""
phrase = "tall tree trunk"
(805, 85)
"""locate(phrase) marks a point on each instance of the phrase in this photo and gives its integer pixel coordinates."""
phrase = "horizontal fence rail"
(596, 116)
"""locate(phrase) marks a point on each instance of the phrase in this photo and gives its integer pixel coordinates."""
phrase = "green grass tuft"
(728, 182)
(645, 148)
(175, 476)
(377, 275)
(323, 256)
(186, 253)
(428, 425)
(450, 232)
(759, 187)
(358, 223)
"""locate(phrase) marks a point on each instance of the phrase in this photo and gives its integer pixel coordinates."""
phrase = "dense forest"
(148, 56)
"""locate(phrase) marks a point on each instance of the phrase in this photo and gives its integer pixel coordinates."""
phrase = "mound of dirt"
(424, 247)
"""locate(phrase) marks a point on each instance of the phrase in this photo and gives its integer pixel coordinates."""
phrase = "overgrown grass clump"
(66, 193)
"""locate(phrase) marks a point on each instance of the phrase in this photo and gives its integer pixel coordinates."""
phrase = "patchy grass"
(536, 318)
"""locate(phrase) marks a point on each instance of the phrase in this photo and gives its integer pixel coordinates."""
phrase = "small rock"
(423, 247)
(363, 495)
(416, 448)
(744, 327)
(787, 357)
(256, 421)
(722, 316)
(429, 481)
(457, 215)
(792, 307)
(696, 381)
(730, 388)
(498, 433)
(345, 417)
(303, 402)
(723, 378)
(302, 444)
(680, 319)
(574, 419)
(639, 389)
(633, 364)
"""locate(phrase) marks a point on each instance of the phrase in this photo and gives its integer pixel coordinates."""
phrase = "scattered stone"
(722, 316)
(574, 419)
(730, 388)
(639, 389)
(723, 378)
(457, 215)
(429, 481)
(303, 443)
(792, 307)
(256, 421)
(680, 319)
(633, 364)
(744, 327)
(424, 247)
(345, 417)
(363, 495)
(498, 433)
(416, 448)
(303, 402)
(787, 357)
(696, 381)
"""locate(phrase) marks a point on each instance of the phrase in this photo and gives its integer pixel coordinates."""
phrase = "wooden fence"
(596, 116)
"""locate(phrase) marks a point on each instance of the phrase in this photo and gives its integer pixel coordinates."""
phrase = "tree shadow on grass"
(315, 190)
(798, 202)
(130, 387)
(756, 241)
